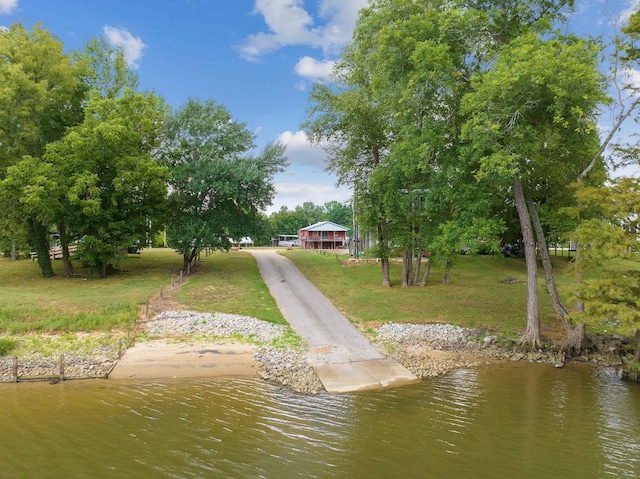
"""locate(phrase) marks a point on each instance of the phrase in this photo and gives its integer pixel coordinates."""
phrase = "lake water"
(514, 420)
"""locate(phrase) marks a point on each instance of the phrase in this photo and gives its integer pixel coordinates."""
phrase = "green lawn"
(231, 283)
(477, 297)
(226, 282)
(29, 302)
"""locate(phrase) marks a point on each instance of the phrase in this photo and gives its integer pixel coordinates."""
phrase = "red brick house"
(323, 235)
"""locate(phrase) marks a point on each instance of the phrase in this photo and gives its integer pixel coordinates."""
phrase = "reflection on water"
(511, 420)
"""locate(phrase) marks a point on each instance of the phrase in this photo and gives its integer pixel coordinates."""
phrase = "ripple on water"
(511, 421)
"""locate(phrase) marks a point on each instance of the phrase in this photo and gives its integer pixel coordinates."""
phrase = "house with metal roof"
(323, 235)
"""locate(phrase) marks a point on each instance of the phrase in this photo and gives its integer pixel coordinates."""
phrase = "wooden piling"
(120, 349)
(15, 369)
(61, 377)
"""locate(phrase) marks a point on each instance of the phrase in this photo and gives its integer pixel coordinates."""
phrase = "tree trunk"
(386, 279)
(636, 358)
(416, 268)
(575, 334)
(446, 279)
(14, 251)
(384, 254)
(406, 267)
(39, 242)
(532, 335)
(561, 311)
(425, 275)
(64, 243)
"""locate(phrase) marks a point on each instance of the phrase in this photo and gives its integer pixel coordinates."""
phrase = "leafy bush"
(6, 346)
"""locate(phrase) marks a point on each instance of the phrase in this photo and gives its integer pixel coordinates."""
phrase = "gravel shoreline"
(427, 350)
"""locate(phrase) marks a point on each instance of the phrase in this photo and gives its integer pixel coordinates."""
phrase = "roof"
(243, 240)
(324, 226)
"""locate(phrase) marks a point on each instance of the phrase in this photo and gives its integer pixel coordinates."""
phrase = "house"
(323, 235)
(244, 242)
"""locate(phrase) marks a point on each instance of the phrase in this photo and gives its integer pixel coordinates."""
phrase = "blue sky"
(257, 57)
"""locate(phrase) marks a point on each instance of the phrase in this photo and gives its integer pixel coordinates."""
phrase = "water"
(504, 421)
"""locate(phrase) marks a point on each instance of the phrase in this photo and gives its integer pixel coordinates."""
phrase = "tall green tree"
(354, 129)
(218, 188)
(609, 287)
(115, 190)
(532, 120)
(339, 213)
(40, 96)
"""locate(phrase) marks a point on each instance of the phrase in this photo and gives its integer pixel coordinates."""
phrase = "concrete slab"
(162, 360)
(342, 357)
(363, 376)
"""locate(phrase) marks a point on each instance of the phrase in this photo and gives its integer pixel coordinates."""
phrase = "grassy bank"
(487, 292)
(227, 283)
(30, 303)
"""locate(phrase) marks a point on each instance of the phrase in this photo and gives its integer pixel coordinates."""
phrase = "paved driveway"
(343, 358)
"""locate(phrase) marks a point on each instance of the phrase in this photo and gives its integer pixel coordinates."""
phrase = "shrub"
(6, 346)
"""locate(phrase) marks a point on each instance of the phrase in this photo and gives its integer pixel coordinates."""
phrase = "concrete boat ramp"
(342, 357)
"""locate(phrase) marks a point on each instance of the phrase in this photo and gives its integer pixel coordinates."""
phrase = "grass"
(476, 298)
(226, 282)
(230, 283)
(29, 302)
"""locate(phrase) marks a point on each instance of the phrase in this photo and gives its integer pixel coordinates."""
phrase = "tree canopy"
(218, 187)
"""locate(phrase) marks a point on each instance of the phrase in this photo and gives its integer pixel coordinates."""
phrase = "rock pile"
(435, 336)
(412, 345)
(96, 365)
(427, 350)
(214, 324)
(289, 368)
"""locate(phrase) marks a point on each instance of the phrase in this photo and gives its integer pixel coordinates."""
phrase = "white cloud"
(632, 79)
(305, 181)
(7, 6)
(300, 152)
(132, 46)
(314, 69)
(296, 194)
(290, 24)
(634, 6)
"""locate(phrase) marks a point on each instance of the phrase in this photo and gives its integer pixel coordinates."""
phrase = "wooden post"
(120, 349)
(146, 310)
(180, 276)
(172, 283)
(160, 291)
(15, 369)
(128, 336)
(61, 377)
